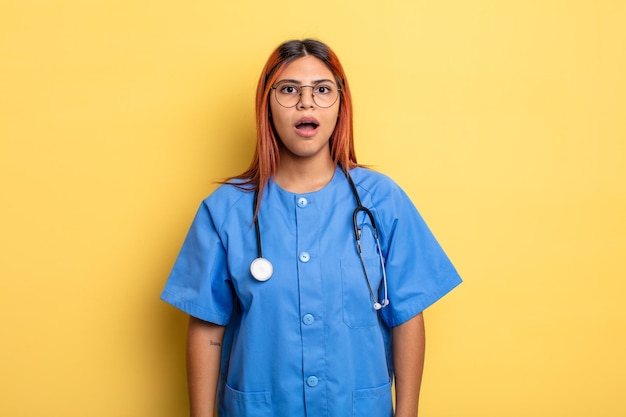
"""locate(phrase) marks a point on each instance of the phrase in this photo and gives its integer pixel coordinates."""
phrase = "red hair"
(266, 157)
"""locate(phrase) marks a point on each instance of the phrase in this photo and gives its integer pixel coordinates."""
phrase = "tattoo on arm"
(214, 343)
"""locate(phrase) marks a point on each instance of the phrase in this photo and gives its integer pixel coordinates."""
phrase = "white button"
(305, 257)
(312, 381)
(302, 202)
(308, 319)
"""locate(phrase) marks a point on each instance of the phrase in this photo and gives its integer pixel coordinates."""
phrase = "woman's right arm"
(204, 350)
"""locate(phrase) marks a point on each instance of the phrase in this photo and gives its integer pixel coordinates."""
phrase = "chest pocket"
(358, 306)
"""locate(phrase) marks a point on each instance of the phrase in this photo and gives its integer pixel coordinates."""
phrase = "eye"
(289, 89)
(323, 89)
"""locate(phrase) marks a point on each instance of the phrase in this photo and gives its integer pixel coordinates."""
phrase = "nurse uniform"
(308, 341)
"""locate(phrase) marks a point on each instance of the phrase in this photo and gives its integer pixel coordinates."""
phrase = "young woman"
(306, 276)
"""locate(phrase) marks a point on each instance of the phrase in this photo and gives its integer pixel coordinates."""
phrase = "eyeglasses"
(289, 94)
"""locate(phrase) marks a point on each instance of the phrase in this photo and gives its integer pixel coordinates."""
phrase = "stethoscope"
(262, 269)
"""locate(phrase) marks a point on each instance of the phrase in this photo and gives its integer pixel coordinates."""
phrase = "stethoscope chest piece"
(261, 269)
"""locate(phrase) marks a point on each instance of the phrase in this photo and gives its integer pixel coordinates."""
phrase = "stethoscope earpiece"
(379, 306)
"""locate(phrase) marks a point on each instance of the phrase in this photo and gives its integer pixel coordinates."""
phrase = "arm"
(408, 362)
(204, 349)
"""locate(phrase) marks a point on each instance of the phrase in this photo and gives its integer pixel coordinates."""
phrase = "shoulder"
(383, 196)
(375, 183)
(228, 198)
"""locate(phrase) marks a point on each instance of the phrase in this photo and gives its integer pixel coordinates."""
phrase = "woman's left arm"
(408, 362)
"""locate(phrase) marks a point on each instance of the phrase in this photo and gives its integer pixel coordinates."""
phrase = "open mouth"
(307, 126)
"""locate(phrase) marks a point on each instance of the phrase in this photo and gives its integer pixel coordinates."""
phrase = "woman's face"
(305, 128)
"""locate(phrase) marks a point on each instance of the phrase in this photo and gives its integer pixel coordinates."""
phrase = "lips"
(307, 126)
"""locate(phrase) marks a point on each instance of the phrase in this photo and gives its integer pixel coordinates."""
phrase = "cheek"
(277, 114)
(333, 119)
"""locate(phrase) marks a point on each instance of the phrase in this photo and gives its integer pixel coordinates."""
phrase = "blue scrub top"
(308, 342)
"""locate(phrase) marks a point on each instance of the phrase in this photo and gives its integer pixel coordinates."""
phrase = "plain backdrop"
(503, 120)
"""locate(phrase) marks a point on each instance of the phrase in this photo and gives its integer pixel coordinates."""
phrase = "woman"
(287, 317)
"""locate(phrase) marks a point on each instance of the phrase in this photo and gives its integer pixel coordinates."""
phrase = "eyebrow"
(300, 82)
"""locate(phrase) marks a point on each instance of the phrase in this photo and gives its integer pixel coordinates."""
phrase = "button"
(302, 202)
(305, 257)
(312, 381)
(308, 319)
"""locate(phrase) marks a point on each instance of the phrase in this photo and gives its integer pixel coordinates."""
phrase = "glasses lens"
(287, 94)
(324, 94)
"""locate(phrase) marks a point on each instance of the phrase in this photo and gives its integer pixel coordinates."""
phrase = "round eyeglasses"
(289, 94)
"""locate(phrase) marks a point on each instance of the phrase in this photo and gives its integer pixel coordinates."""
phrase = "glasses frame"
(300, 87)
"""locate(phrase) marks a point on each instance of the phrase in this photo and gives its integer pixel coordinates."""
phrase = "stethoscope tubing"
(357, 237)
(262, 269)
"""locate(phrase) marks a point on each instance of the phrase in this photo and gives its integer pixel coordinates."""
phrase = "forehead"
(307, 68)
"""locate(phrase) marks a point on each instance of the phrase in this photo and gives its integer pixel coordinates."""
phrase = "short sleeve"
(418, 270)
(199, 282)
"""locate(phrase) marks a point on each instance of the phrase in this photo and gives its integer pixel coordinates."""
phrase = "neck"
(298, 176)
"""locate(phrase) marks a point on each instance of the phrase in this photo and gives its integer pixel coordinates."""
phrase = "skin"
(305, 166)
(408, 361)
(305, 161)
(204, 349)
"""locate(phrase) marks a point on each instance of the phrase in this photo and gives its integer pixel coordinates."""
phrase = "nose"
(306, 98)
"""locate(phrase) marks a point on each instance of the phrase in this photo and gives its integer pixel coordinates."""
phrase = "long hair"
(266, 157)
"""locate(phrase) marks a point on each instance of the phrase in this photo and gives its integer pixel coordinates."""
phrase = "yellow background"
(503, 120)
